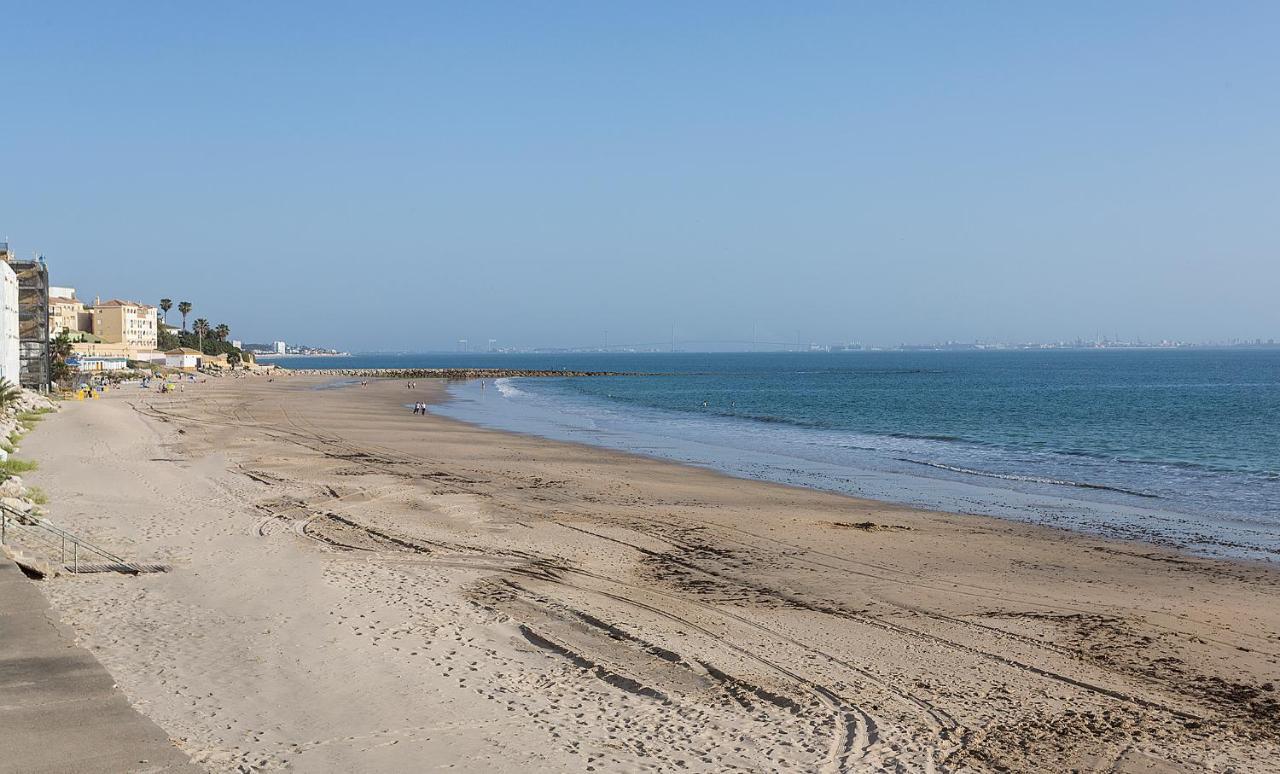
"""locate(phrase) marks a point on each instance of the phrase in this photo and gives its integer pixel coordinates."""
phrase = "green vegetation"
(14, 466)
(37, 495)
(166, 339)
(9, 393)
(60, 350)
(203, 337)
(201, 328)
(31, 417)
(209, 340)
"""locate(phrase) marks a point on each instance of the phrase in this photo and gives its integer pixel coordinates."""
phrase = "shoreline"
(1172, 550)
(547, 592)
(448, 373)
(1059, 510)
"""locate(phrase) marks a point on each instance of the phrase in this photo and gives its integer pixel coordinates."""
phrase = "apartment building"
(125, 322)
(68, 313)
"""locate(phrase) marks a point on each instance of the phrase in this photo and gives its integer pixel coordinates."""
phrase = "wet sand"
(358, 588)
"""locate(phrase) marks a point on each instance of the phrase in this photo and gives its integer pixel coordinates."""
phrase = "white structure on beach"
(279, 347)
(184, 358)
(10, 366)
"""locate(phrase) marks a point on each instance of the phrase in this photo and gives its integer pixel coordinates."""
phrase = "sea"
(1179, 448)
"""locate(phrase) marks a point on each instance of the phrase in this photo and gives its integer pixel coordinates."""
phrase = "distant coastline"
(272, 355)
(450, 373)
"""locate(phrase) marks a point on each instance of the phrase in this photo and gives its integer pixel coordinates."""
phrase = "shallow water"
(1177, 447)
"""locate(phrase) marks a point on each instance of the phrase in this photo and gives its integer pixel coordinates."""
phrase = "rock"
(12, 487)
(16, 504)
(32, 566)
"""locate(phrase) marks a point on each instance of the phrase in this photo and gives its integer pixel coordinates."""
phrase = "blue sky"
(398, 176)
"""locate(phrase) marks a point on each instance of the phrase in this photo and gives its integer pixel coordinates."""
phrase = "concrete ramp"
(59, 708)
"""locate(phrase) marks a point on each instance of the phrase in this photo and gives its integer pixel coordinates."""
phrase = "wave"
(1108, 457)
(507, 389)
(928, 437)
(1029, 479)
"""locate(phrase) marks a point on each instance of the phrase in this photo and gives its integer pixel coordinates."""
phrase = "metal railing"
(37, 534)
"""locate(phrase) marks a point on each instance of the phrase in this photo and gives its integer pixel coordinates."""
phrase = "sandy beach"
(356, 588)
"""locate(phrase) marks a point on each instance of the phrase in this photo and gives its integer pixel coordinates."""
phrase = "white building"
(183, 357)
(9, 365)
(279, 347)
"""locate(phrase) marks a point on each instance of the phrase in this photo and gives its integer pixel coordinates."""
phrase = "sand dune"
(357, 588)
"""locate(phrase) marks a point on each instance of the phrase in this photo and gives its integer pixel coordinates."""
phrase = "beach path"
(59, 708)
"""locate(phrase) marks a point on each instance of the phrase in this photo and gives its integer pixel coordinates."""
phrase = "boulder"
(12, 487)
(16, 504)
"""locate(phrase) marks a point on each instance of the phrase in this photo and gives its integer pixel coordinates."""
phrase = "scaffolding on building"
(33, 323)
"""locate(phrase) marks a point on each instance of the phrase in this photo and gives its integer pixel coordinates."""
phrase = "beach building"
(89, 351)
(97, 362)
(279, 348)
(9, 364)
(126, 322)
(183, 357)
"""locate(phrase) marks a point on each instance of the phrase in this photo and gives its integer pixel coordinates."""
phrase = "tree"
(60, 351)
(9, 392)
(222, 331)
(184, 308)
(201, 327)
(166, 340)
(165, 305)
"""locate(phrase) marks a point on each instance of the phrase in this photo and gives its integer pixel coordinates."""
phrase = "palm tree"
(201, 327)
(184, 308)
(222, 331)
(8, 392)
(165, 305)
(60, 351)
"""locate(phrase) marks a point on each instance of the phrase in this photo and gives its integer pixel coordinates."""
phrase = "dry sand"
(359, 589)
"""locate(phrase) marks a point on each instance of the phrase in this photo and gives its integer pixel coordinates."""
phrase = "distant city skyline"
(492, 346)
(829, 171)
